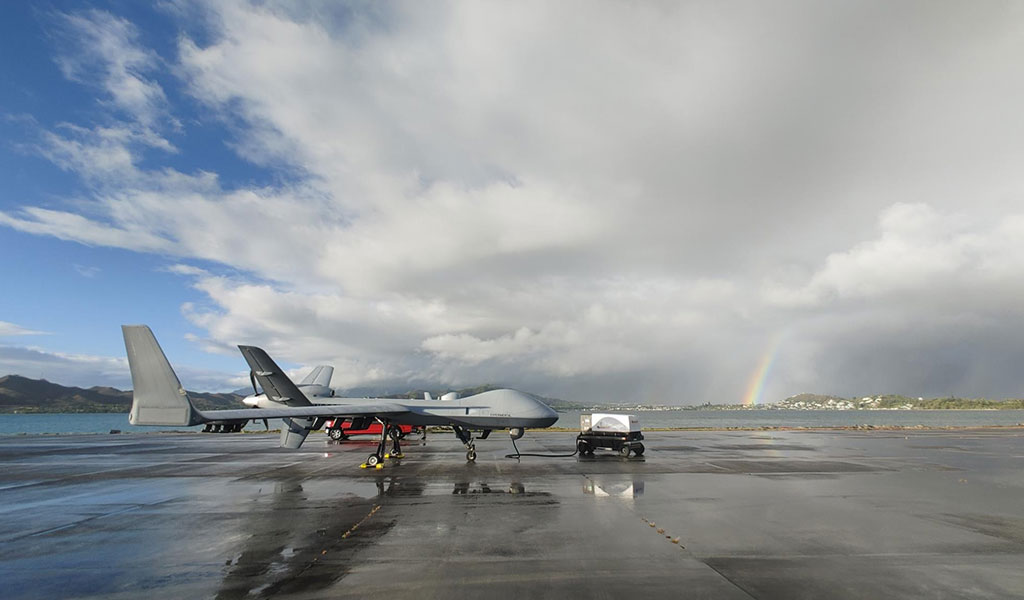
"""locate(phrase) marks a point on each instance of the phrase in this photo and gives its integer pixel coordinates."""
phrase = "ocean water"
(104, 422)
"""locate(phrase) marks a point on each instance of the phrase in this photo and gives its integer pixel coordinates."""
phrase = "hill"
(891, 402)
(23, 395)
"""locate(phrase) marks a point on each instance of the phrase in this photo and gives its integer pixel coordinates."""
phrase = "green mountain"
(23, 395)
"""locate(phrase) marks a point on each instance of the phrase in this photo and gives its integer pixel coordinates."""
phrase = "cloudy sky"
(681, 203)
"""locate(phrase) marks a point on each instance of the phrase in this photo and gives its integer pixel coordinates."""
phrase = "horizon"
(241, 392)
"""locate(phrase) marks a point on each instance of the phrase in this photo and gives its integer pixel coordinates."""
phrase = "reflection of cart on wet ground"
(342, 428)
(620, 433)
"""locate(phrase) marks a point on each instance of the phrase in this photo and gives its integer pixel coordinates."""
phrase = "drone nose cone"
(552, 417)
(525, 409)
(543, 415)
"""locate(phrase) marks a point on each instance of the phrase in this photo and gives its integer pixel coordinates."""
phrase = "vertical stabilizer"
(157, 397)
(272, 379)
(320, 375)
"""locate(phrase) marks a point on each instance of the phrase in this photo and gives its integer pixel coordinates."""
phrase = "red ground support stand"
(340, 429)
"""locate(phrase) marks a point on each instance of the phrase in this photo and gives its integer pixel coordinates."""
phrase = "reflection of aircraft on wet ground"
(282, 536)
(159, 399)
(621, 489)
(464, 487)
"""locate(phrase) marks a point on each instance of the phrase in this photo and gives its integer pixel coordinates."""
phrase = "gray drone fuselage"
(493, 409)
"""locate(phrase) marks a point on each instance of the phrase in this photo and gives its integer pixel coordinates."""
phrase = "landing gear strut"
(466, 437)
(387, 431)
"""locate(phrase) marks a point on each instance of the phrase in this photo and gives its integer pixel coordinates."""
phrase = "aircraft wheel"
(639, 450)
(471, 455)
(372, 460)
(336, 434)
(624, 451)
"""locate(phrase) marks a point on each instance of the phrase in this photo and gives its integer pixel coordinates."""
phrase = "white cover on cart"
(609, 423)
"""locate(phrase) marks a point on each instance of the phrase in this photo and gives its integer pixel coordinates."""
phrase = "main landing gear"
(388, 431)
(466, 437)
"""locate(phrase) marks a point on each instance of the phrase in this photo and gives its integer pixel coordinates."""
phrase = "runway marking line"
(661, 531)
(352, 529)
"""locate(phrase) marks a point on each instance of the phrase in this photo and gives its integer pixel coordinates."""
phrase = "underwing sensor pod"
(159, 399)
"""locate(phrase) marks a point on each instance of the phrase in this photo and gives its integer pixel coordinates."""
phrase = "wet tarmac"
(751, 514)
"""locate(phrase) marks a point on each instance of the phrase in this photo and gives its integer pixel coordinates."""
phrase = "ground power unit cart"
(620, 433)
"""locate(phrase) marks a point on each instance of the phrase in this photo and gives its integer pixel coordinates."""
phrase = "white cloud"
(104, 50)
(75, 227)
(10, 329)
(630, 205)
(919, 252)
(86, 271)
(182, 269)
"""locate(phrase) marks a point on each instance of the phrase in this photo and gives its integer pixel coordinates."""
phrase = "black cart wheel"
(624, 451)
(583, 447)
(639, 450)
(336, 434)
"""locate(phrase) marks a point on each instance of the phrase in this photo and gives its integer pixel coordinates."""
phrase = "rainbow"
(756, 386)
